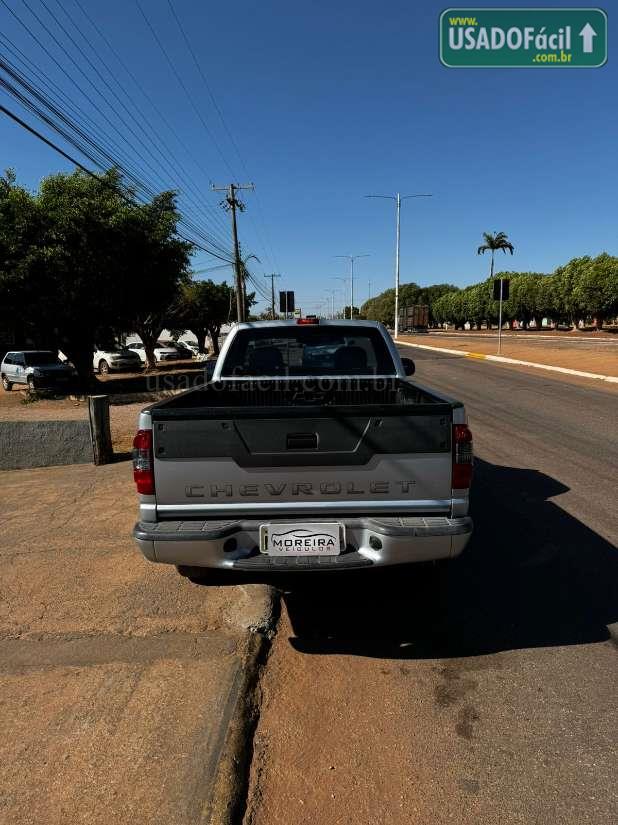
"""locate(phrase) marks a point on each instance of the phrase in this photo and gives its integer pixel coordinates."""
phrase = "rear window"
(308, 350)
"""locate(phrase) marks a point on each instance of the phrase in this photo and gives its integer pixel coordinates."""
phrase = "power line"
(183, 86)
(269, 251)
(86, 151)
(94, 87)
(59, 120)
(117, 114)
(148, 97)
(102, 151)
(131, 109)
(81, 166)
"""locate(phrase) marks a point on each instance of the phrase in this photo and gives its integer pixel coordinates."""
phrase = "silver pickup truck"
(309, 449)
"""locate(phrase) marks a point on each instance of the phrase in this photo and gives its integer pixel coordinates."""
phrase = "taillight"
(462, 457)
(304, 322)
(143, 471)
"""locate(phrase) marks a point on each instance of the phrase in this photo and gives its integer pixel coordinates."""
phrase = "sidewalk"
(540, 350)
(119, 678)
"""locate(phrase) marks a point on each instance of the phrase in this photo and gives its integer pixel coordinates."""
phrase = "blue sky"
(329, 101)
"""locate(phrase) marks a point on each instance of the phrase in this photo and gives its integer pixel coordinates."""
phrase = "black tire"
(103, 367)
(7, 385)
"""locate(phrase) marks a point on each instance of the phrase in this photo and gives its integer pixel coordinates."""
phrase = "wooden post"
(98, 411)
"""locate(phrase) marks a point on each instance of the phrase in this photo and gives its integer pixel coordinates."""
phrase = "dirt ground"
(376, 737)
(117, 676)
(582, 352)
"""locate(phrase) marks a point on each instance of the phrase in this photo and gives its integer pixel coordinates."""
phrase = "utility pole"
(272, 277)
(351, 259)
(232, 203)
(369, 291)
(397, 198)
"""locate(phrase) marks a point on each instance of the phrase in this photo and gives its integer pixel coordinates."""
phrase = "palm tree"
(493, 242)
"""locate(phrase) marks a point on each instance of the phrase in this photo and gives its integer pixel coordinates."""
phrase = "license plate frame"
(305, 539)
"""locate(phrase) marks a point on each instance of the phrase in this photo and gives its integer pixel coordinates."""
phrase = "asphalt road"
(482, 692)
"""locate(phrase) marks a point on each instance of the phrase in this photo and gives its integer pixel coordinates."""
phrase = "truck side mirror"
(408, 366)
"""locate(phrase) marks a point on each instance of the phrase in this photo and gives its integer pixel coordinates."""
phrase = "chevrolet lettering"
(324, 488)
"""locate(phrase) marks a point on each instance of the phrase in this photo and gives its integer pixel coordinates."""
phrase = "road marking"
(503, 360)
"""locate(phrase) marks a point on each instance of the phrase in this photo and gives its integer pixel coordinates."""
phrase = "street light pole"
(398, 198)
(397, 248)
(352, 258)
(332, 302)
(500, 321)
(345, 283)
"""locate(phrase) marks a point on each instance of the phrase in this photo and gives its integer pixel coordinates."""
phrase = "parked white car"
(161, 352)
(114, 359)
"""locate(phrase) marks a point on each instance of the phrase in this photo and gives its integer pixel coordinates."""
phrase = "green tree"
(476, 304)
(499, 240)
(84, 259)
(567, 301)
(382, 307)
(524, 303)
(203, 307)
(596, 288)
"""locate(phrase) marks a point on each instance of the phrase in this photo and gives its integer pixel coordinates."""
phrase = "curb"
(501, 359)
(228, 800)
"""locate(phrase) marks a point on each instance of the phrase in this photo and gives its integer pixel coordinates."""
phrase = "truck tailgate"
(321, 460)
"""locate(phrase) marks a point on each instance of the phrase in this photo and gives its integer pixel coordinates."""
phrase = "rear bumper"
(371, 541)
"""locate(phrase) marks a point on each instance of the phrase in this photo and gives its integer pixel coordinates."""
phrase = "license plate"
(302, 539)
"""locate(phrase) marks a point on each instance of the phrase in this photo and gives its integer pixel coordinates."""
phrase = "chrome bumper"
(234, 545)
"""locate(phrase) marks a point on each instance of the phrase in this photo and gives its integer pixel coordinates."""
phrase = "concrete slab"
(44, 443)
(114, 731)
